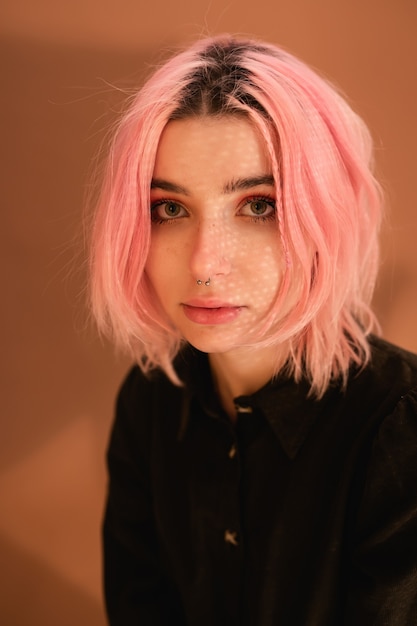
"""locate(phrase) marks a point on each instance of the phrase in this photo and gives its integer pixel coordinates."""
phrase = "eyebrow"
(238, 184)
(165, 185)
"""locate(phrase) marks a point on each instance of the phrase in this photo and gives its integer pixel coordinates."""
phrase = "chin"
(214, 345)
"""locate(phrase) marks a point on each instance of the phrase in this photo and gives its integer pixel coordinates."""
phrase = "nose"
(211, 250)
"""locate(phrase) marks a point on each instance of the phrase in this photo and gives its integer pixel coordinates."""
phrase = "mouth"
(210, 312)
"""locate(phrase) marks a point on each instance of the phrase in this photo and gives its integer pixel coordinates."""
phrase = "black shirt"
(304, 513)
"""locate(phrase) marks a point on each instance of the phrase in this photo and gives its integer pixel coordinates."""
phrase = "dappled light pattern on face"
(191, 123)
(213, 217)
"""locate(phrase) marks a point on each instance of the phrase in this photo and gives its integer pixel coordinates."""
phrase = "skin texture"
(206, 225)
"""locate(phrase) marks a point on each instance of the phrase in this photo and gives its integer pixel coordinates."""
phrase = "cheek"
(271, 270)
(259, 278)
(154, 267)
(268, 265)
(158, 254)
(162, 268)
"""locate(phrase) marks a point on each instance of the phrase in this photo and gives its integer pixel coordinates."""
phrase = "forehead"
(215, 146)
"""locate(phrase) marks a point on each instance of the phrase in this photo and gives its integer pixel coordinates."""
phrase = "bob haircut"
(328, 206)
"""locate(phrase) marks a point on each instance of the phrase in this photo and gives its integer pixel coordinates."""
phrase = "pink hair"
(329, 205)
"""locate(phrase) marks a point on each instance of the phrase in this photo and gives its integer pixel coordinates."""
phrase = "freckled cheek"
(258, 276)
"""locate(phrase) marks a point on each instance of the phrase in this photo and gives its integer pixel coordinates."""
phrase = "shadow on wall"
(56, 113)
(58, 381)
(34, 595)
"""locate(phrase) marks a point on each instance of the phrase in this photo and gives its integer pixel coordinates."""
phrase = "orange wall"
(59, 62)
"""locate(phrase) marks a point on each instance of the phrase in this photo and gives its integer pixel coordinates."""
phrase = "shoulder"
(394, 372)
(388, 515)
(390, 384)
(386, 519)
(378, 399)
(140, 402)
(142, 394)
(388, 360)
(389, 379)
(138, 387)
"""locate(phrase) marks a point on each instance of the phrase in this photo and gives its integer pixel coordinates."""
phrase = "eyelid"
(160, 202)
(260, 197)
(268, 199)
(164, 200)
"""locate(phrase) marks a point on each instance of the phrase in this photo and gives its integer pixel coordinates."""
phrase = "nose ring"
(205, 282)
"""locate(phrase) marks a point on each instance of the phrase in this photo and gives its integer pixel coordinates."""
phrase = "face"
(215, 260)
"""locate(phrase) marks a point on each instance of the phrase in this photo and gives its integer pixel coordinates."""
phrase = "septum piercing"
(205, 282)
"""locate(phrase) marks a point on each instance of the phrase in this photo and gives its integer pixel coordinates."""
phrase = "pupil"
(172, 209)
(258, 207)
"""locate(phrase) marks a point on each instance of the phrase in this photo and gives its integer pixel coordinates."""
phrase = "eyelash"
(261, 218)
(161, 202)
(254, 218)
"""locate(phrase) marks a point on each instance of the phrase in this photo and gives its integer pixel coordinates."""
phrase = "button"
(230, 536)
(232, 452)
(243, 409)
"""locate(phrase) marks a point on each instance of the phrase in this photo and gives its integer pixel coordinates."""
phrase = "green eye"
(171, 209)
(166, 210)
(259, 207)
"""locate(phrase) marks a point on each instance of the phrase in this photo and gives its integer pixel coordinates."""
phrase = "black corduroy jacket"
(303, 513)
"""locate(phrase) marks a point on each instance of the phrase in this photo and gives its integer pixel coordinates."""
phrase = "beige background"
(60, 63)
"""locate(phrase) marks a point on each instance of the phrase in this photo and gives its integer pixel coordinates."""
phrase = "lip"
(210, 311)
(209, 303)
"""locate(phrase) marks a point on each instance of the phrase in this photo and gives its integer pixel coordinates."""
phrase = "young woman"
(262, 463)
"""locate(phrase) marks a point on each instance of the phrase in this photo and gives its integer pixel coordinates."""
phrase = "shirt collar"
(284, 402)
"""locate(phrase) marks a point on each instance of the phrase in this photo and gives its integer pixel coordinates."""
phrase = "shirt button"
(232, 452)
(243, 409)
(230, 536)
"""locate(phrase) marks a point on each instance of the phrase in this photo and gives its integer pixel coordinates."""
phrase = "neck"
(241, 373)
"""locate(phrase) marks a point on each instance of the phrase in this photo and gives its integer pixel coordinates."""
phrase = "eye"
(166, 210)
(258, 207)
